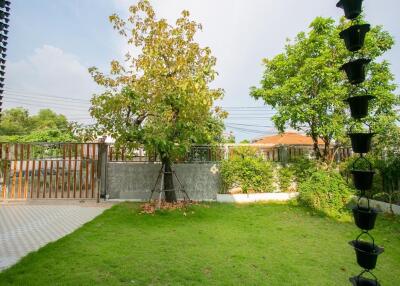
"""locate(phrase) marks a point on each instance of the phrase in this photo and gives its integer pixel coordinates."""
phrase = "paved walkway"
(27, 227)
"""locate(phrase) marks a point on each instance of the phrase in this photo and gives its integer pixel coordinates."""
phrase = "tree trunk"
(317, 152)
(170, 196)
(326, 155)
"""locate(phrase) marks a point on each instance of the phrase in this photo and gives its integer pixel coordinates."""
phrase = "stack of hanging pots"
(366, 251)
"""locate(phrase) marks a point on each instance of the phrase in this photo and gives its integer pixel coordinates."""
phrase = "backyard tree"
(159, 97)
(306, 87)
(17, 125)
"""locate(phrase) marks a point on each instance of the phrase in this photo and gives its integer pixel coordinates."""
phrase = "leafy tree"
(46, 118)
(160, 98)
(16, 125)
(14, 121)
(306, 87)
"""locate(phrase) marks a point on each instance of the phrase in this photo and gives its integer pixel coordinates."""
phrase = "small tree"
(306, 87)
(160, 98)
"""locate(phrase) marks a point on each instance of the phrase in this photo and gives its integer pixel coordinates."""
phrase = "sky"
(52, 43)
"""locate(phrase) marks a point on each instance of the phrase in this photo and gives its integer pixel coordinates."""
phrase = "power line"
(28, 97)
(250, 125)
(243, 107)
(246, 129)
(45, 95)
(27, 102)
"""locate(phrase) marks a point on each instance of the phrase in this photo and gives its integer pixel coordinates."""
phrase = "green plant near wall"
(252, 174)
(286, 176)
(326, 191)
(297, 171)
(303, 168)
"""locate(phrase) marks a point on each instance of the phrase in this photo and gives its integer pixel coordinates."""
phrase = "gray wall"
(127, 180)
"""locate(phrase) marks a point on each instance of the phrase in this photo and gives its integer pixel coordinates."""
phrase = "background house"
(286, 138)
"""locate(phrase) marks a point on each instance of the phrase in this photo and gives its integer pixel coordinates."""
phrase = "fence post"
(102, 168)
(226, 152)
(283, 155)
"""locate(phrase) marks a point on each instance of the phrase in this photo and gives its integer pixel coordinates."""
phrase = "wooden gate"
(49, 171)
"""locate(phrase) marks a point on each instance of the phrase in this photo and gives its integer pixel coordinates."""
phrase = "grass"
(210, 244)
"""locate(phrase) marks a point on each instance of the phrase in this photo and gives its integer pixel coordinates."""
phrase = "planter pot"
(352, 8)
(355, 70)
(361, 281)
(362, 179)
(361, 142)
(359, 105)
(364, 218)
(367, 253)
(354, 36)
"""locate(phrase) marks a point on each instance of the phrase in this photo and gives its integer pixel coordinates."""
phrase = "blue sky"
(53, 42)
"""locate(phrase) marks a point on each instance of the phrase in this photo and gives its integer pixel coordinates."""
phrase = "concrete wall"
(134, 181)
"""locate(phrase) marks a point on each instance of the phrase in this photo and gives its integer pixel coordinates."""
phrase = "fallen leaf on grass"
(150, 208)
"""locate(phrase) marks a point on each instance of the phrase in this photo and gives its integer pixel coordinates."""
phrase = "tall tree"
(15, 121)
(46, 126)
(306, 87)
(160, 97)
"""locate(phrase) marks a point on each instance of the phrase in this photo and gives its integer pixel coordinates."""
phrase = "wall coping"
(257, 197)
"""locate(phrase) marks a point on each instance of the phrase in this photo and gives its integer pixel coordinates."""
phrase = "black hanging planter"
(359, 105)
(362, 178)
(367, 253)
(364, 218)
(361, 141)
(352, 8)
(354, 36)
(355, 70)
(362, 281)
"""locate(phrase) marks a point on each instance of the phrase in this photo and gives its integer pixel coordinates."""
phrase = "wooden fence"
(49, 170)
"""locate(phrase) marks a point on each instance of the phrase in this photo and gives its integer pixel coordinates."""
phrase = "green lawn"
(212, 244)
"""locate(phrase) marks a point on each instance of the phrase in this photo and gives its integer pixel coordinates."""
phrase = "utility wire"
(249, 125)
(15, 91)
(34, 98)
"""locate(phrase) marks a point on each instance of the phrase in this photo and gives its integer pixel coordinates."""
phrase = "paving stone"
(26, 228)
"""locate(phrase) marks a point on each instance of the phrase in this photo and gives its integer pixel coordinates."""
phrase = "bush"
(303, 168)
(249, 173)
(326, 192)
(286, 176)
(297, 171)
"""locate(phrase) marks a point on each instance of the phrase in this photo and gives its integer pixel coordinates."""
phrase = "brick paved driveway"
(25, 227)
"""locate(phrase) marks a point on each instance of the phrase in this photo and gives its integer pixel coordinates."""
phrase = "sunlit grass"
(213, 244)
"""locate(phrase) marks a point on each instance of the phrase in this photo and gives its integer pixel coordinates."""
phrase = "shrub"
(303, 168)
(326, 192)
(286, 176)
(297, 171)
(249, 173)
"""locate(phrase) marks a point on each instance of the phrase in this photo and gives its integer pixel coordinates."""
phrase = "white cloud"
(50, 78)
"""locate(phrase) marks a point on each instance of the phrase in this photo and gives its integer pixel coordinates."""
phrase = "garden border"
(257, 197)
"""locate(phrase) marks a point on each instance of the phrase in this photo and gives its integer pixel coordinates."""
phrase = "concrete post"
(226, 152)
(283, 155)
(102, 169)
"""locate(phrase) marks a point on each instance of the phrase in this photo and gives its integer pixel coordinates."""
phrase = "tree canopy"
(307, 89)
(16, 125)
(160, 97)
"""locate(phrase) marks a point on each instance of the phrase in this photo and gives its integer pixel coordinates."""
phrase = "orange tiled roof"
(287, 138)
